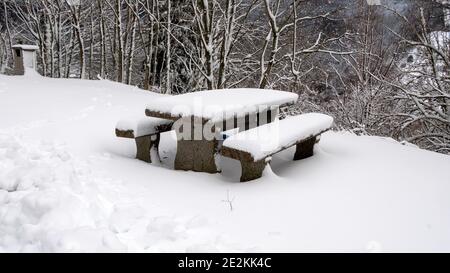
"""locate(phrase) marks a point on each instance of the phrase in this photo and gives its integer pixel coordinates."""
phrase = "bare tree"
(75, 10)
(168, 48)
(423, 83)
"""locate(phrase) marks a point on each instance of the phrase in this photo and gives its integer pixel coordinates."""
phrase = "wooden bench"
(145, 131)
(253, 148)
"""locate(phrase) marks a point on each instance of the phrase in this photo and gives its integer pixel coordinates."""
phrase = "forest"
(378, 67)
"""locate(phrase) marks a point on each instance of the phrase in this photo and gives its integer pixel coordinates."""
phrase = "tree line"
(348, 60)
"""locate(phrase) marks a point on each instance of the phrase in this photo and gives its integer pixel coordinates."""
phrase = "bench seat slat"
(261, 142)
(142, 126)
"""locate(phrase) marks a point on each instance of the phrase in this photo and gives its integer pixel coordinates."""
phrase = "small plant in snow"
(229, 201)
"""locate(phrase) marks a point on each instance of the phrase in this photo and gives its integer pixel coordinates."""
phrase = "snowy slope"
(68, 184)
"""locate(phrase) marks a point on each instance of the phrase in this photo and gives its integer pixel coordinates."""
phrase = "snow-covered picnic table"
(217, 105)
(200, 115)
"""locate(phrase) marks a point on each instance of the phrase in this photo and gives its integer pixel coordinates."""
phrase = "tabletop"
(216, 105)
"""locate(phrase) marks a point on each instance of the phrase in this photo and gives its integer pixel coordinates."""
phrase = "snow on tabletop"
(141, 126)
(27, 47)
(262, 141)
(217, 104)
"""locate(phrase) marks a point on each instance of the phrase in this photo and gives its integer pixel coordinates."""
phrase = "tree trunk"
(119, 34)
(169, 33)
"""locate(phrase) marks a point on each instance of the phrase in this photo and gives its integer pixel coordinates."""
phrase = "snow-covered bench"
(253, 148)
(145, 131)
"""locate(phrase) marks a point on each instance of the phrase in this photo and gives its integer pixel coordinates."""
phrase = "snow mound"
(52, 202)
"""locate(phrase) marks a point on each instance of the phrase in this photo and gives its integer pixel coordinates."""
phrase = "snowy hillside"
(68, 184)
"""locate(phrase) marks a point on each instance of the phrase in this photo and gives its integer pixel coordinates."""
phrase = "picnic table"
(200, 117)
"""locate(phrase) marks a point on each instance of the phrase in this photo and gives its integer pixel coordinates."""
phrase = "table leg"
(195, 155)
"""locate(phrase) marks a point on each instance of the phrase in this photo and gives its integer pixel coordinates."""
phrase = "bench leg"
(252, 170)
(305, 149)
(143, 146)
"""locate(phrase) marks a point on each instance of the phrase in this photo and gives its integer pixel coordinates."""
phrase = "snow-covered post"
(24, 58)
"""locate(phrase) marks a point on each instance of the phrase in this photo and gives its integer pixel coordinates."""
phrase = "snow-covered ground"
(68, 184)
